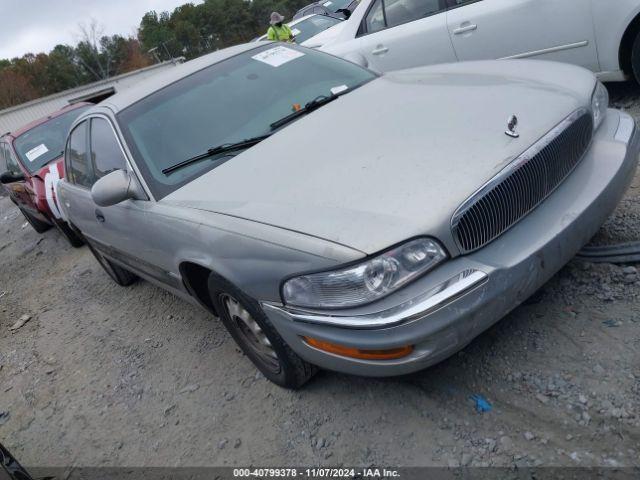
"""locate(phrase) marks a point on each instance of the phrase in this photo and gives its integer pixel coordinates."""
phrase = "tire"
(635, 58)
(121, 276)
(257, 337)
(38, 225)
(75, 240)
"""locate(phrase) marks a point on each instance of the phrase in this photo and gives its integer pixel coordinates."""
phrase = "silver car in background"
(459, 191)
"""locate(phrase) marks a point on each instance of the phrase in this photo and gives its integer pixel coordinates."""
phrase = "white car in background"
(308, 27)
(601, 35)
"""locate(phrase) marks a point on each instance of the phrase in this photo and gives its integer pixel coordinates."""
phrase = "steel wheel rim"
(253, 336)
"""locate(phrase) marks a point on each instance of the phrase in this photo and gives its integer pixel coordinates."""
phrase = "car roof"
(40, 121)
(131, 95)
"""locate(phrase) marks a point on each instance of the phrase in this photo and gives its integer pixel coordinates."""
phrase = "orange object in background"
(296, 107)
(390, 354)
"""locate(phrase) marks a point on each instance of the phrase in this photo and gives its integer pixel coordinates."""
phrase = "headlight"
(599, 104)
(367, 281)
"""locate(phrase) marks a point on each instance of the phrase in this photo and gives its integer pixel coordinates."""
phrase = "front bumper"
(442, 312)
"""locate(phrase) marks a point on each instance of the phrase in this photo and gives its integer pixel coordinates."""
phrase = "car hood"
(324, 37)
(396, 157)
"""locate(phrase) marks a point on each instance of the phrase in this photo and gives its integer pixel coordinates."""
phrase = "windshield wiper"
(224, 148)
(309, 107)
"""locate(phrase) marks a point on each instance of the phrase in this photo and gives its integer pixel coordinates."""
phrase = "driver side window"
(12, 164)
(106, 155)
(391, 13)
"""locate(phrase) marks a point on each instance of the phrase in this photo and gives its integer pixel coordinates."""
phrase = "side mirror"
(116, 187)
(9, 177)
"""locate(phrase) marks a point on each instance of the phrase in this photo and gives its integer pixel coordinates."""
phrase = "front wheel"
(257, 337)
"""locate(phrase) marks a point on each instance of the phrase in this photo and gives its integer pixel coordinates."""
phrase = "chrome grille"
(523, 184)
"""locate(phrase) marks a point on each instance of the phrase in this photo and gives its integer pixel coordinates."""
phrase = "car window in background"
(11, 163)
(106, 155)
(398, 12)
(374, 21)
(313, 26)
(44, 143)
(236, 99)
(78, 168)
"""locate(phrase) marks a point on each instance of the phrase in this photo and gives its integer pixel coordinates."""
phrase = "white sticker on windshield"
(326, 4)
(339, 89)
(295, 31)
(36, 152)
(277, 56)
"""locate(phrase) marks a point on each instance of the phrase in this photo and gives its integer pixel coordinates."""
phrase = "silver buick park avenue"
(332, 217)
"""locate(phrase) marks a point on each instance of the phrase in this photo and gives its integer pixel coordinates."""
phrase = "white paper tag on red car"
(277, 56)
(36, 152)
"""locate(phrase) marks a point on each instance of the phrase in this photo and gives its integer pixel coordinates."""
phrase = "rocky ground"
(101, 376)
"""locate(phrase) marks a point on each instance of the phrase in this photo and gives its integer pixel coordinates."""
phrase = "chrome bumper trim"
(415, 308)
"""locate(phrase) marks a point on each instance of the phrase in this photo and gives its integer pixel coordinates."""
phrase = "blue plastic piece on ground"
(482, 404)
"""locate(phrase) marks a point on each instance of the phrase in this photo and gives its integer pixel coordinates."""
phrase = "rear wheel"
(38, 225)
(121, 276)
(75, 240)
(257, 337)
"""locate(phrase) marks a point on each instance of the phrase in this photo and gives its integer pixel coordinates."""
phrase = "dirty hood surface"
(394, 158)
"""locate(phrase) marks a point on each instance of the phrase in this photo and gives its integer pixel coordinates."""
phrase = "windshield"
(236, 99)
(312, 26)
(44, 143)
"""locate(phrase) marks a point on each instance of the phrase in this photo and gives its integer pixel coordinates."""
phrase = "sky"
(34, 26)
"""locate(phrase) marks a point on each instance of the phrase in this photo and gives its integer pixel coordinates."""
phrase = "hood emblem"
(511, 127)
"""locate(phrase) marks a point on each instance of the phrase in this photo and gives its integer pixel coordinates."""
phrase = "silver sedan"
(332, 217)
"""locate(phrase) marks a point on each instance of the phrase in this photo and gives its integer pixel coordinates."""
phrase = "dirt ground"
(104, 376)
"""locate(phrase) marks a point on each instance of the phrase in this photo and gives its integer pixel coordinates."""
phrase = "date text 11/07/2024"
(351, 473)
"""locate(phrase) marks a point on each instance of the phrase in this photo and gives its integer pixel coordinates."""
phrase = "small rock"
(582, 399)
(4, 416)
(20, 323)
(630, 270)
(542, 398)
(237, 443)
(169, 409)
(529, 436)
(229, 396)
(569, 437)
(506, 443)
(222, 443)
(320, 443)
(190, 388)
(598, 370)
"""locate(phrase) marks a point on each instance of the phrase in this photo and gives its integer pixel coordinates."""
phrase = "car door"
(541, 29)
(396, 34)
(94, 151)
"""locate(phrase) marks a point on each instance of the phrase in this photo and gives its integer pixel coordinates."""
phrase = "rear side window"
(106, 155)
(78, 169)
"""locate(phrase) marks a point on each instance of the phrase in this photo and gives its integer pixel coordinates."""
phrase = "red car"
(33, 163)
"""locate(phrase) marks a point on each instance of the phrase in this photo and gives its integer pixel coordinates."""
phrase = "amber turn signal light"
(390, 354)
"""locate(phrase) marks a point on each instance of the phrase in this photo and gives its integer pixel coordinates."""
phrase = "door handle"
(379, 50)
(99, 216)
(464, 28)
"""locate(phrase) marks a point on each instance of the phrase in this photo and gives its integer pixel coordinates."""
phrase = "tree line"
(189, 31)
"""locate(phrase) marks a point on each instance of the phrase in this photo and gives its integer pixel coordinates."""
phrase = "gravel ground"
(105, 376)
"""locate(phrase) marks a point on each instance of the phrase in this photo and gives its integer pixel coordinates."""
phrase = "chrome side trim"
(413, 309)
(507, 171)
(544, 51)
